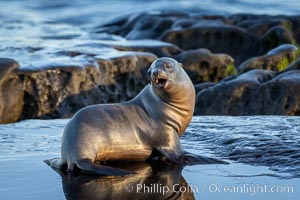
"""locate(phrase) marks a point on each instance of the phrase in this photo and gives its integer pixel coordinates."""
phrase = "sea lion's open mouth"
(160, 81)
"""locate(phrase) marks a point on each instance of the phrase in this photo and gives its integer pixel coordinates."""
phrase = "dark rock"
(259, 27)
(202, 65)
(276, 60)
(240, 18)
(295, 27)
(294, 66)
(145, 25)
(253, 93)
(232, 97)
(159, 48)
(79, 69)
(61, 90)
(181, 24)
(274, 37)
(281, 96)
(11, 91)
(149, 26)
(231, 40)
(241, 36)
(201, 86)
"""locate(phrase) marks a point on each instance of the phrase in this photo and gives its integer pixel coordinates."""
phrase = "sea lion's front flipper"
(169, 146)
(192, 159)
(56, 163)
(88, 166)
(173, 151)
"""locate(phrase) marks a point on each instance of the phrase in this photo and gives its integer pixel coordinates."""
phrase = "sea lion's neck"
(176, 114)
(183, 104)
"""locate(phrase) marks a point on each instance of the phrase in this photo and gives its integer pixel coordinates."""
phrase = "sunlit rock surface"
(61, 67)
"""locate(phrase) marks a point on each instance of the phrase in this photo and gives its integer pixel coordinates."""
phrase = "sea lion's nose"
(155, 73)
(158, 72)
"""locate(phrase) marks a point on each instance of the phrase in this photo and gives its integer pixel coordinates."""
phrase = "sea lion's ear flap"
(180, 65)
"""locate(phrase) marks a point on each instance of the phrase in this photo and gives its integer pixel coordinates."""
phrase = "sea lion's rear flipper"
(88, 166)
(56, 163)
(192, 159)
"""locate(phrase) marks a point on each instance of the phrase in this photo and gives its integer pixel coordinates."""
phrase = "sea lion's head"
(162, 72)
(169, 80)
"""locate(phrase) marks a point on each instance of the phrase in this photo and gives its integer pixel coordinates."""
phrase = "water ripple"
(272, 141)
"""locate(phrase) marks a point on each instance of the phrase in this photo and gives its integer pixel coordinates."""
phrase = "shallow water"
(24, 146)
(271, 141)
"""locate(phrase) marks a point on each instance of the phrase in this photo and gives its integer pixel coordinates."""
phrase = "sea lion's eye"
(168, 66)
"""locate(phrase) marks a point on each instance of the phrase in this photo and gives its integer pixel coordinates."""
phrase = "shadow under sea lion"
(151, 181)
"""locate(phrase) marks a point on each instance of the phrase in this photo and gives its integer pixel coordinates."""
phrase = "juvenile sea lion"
(131, 131)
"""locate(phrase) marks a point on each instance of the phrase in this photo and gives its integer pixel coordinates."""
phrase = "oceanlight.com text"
(250, 189)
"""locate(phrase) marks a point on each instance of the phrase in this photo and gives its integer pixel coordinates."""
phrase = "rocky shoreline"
(240, 65)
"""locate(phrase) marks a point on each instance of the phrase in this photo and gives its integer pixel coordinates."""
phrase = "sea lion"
(150, 123)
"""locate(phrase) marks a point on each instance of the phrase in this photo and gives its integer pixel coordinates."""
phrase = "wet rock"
(259, 27)
(241, 36)
(295, 27)
(11, 91)
(276, 59)
(202, 65)
(294, 66)
(159, 48)
(145, 25)
(201, 86)
(276, 36)
(59, 89)
(238, 43)
(153, 27)
(127, 71)
(281, 96)
(48, 85)
(257, 92)
(60, 74)
(228, 98)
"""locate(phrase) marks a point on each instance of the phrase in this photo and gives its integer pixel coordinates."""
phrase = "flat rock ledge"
(240, 64)
(58, 90)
